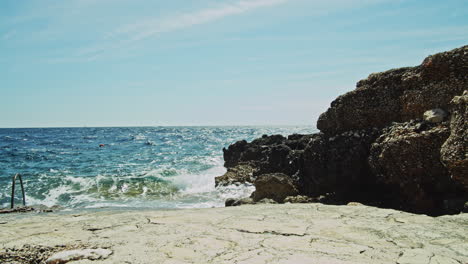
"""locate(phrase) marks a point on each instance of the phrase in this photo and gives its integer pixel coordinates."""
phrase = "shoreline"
(268, 233)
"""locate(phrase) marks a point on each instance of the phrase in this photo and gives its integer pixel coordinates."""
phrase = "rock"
(283, 233)
(241, 173)
(337, 166)
(237, 202)
(454, 151)
(406, 158)
(374, 148)
(399, 95)
(436, 115)
(230, 202)
(276, 186)
(77, 254)
(268, 154)
(299, 199)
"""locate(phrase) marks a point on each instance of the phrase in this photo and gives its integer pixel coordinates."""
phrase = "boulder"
(241, 173)
(275, 186)
(454, 151)
(399, 95)
(237, 202)
(406, 158)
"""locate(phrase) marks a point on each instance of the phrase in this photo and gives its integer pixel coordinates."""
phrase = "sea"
(123, 167)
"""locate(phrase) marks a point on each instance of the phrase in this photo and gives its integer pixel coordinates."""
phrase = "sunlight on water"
(150, 167)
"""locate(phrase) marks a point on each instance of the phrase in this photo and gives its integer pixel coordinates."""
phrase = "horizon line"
(135, 126)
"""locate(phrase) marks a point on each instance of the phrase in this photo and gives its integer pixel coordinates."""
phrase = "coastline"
(278, 233)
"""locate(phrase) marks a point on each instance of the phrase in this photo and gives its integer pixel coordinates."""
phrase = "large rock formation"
(398, 140)
(399, 95)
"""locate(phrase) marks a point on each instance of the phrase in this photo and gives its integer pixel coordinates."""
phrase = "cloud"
(147, 28)
(151, 27)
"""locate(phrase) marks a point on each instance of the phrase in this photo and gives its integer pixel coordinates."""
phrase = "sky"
(205, 62)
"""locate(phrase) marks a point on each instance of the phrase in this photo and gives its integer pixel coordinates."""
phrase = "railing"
(13, 190)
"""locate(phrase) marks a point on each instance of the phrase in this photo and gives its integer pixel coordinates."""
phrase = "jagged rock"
(299, 199)
(454, 151)
(436, 115)
(407, 157)
(276, 186)
(268, 154)
(77, 254)
(241, 173)
(399, 95)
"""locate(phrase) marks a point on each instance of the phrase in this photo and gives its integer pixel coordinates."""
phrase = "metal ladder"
(13, 190)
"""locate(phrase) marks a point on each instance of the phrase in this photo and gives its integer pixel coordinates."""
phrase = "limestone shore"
(286, 233)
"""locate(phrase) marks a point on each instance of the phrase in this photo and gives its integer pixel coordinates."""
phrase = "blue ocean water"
(137, 167)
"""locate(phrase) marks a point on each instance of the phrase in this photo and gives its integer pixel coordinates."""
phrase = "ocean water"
(138, 167)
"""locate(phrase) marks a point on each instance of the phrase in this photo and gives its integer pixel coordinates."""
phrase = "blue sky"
(205, 62)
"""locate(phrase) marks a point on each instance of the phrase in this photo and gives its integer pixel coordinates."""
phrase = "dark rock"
(268, 154)
(230, 202)
(237, 202)
(454, 151)
(408, 159)
(337, 164)
(399, 95)
(374, 147)
(276, 186)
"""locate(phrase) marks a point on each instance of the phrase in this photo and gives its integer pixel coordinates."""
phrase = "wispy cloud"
(151, 27)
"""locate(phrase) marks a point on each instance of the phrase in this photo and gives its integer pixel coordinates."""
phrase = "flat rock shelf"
(286, 233)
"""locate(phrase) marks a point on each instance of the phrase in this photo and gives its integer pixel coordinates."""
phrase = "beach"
(262, 233)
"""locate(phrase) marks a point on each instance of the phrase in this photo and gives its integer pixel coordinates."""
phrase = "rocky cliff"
(399, 140)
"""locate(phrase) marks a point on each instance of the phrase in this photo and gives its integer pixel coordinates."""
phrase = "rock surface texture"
(285, 233)
(399, 140)
(455, 149)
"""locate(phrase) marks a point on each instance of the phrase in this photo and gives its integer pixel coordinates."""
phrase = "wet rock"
(229, 202)
(23, 209)
(237, 202)
(241, 173)
(78, 254)
(268, 154)
(399, 95)
(454, 151)
(436, 115)
(276, 186)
